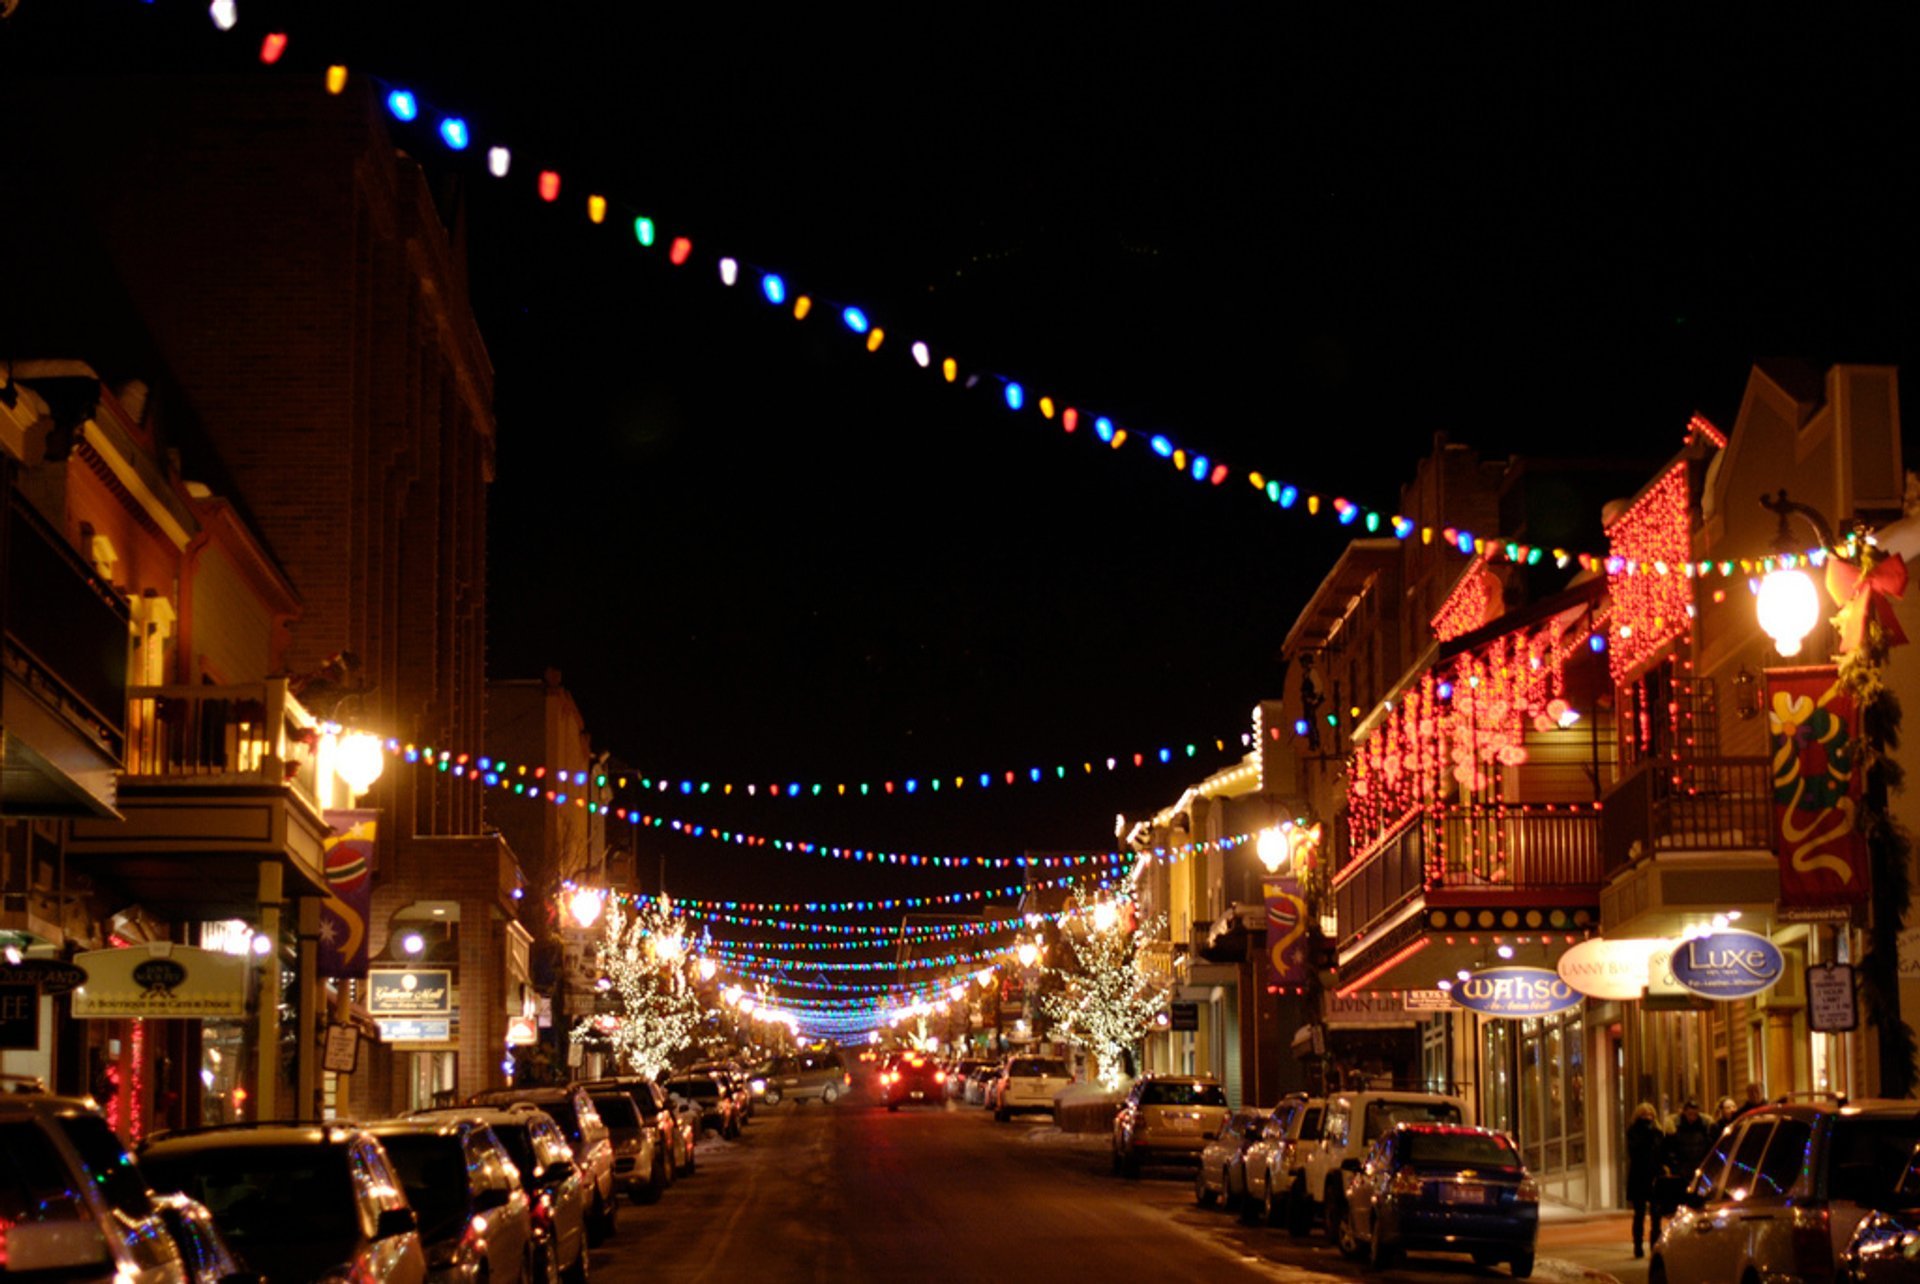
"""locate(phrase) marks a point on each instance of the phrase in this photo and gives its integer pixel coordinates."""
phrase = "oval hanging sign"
(1603, 969)
(1515, 992)
(1727, 965)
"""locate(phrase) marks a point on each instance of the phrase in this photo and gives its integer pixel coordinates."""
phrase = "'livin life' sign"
(1727, 965)
(1516, 992)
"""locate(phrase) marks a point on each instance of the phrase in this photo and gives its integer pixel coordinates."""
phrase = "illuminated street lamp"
(359, 759)
(1788, 603)
(1273, 849)
(706, 968)
(1106, 916)
(585, 906)
(1028, 953)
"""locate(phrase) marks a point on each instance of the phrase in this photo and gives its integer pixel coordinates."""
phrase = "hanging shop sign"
(51, 975)
(1183, 1016)
(1515, 992)
(1830, 1000)
(1286, 933)
(410, 992)
(1609, 969)
(19, 1015)
(161, 979)
(1727, 965)
(522, 1032)
(1427, 1001)
(1814, 730)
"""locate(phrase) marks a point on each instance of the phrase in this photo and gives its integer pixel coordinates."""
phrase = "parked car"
(961, 1074)
(1885, 1248)
(670, 1139)
(476, 1221)
(202, 1248)
(688, 1115)
(806, 1076)
(641, 1169)
(73, 1207)
(1222, 1173)
(734, 1078)
(719, 1110)
(1166, 1119)
(1276, 1164)
(573, 1109)
(560, 1197)
(914, 1079)
(1029, 1084)
(1444, 1188)
(297, 1201)
(1352, 1123)
(1784, 1191)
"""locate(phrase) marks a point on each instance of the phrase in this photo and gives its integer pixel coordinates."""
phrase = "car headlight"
(759, 1087)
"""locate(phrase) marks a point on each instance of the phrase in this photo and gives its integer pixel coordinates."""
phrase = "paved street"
(854, 1193)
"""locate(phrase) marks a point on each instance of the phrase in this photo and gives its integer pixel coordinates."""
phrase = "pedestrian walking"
(1689, 1142)
(1723, 1117)
(1756, 1096)
(1646, 1159)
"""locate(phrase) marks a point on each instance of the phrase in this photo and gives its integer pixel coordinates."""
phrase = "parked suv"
(669, 1138)
(1166, 1119)
(557, 1193)
(807, 1076)
(573, 1110)
(475, 1219)
(1276, 1164)
(1353, 1122)
(297, 1201)
(1028, 1083)
(641, 1166)
(1781, 1193)
(72, 1206)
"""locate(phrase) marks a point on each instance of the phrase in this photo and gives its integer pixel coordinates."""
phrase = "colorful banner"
(1286, 933)
(349, 902)
(1817, 785)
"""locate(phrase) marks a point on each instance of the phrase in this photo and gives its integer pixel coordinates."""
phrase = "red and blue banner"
(1816, 753)
(349, 900)
(1286, 933)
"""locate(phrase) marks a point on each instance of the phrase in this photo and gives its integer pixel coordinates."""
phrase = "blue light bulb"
(1161, 446)
(774, 288)
(454, 131)
(856, 320)
(1016, 396)
(401, 103)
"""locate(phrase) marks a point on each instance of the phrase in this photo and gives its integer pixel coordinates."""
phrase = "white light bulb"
(224, 14)
(498, 159)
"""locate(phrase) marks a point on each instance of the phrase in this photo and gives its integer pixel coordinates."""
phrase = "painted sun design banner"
(1814, 730)
(349, 900)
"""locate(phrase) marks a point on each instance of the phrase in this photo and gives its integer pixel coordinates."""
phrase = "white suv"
(1029, 1083)
(1353, 1122)
(1276, 1163)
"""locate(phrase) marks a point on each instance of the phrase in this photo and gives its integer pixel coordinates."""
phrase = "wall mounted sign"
(1609, 969)
(1183, 1016)
(51, 975)
(1830, 1001)
(1428, 1001)
(342, 1052)
(522, 1032)
(160, 979)
(19, 1015)
(1515, 992)
(416, 1030)
(1727, 965)
(410, 992)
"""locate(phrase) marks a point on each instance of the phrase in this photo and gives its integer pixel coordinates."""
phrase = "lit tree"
(1105, 1003)
(644, 956)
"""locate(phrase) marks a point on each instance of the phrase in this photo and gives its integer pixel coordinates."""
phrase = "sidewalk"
(1598, 1245)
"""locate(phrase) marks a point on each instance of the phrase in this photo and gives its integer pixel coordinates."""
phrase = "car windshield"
(34, 1184)
(1868, 1154)
(617, 1111)
(1182, 1094)
(1383, 1115)
(432, 1168)
(1461, 1149)
(519, 1144)
(1041, 1067)
(699, 1089)
(267, 1196)
(563, 1114)
(107, 1160)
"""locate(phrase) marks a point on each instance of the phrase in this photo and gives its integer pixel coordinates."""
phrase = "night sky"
(1294, 243)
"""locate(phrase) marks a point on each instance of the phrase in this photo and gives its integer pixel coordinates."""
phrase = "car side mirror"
(1349, 1165)
(556, 1172)
(395, 1221)
(487, 1200)
(54, 1246)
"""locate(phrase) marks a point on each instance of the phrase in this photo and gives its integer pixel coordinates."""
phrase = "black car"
(1885, 1246)
(914, 1079)
(1441, 1187)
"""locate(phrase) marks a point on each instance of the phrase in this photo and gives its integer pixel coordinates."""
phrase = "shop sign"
(1367, 1010)
(1515, 992)
(51, 975)
(417, 1030)
(1910, 954)
(1830, 1001)
(1428, 1001)
(1183, 1016)
(1609, 969)
(410, 992)
(161, 979)
(521, 1032)
(19, 1015)
(1727, 965)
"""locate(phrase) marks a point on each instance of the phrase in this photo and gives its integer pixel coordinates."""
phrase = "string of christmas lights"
(1017, 396)
(883, 937)
(734, 959)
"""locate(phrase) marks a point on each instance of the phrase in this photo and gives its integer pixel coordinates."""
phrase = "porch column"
(306, 1060)
(266, 1042)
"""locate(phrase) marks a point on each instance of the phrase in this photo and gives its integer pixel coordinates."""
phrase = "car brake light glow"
(1529, 1191)
(1405, 1182)
(940, 1076)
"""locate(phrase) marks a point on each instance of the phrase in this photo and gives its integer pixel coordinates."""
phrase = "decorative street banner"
(161, 979)
(1286, 933)
(349, 901)
(410, 992)
(1515, 992)
(1817, 783)
(1727, 965)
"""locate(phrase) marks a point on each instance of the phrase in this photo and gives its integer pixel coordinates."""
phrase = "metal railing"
(252, 734)
(1689, 805)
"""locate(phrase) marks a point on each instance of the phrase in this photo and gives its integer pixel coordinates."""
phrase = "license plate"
(1182, 1123)
(916, 1096)
(1454, 1193)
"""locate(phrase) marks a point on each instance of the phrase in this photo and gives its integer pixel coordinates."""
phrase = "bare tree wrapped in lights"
(1106, 1003)
(644, 956)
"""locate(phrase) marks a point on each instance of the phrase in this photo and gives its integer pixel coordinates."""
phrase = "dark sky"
(1292, 241)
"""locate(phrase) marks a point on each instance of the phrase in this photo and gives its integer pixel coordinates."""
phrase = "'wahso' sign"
(1727, 965)
(1515, 992)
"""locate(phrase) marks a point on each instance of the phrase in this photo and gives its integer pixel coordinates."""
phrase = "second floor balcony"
(1685, 840)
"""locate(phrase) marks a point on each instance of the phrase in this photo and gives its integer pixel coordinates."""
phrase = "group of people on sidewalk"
(1653, 1152)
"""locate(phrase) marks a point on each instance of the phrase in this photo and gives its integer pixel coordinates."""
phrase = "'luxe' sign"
(1727, 965)
(1515, 992)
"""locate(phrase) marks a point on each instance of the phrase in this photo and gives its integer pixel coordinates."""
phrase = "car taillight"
(939, 1076)
(543, 1209)
(1528, 1192)
(1405, 1182)
(1812, 1242)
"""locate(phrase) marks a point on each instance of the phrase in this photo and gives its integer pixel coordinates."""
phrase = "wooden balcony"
(218, 779)
(1686, 840)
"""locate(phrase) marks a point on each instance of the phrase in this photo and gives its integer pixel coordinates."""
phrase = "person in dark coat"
(1688, 1143)
(1646, 1160)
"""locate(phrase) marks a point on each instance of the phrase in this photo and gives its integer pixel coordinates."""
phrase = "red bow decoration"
(1862, 592)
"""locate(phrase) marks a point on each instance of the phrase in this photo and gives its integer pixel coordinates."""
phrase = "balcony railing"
(1693, 805)
(1494, 849)
(66, 632)
(252, 734)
